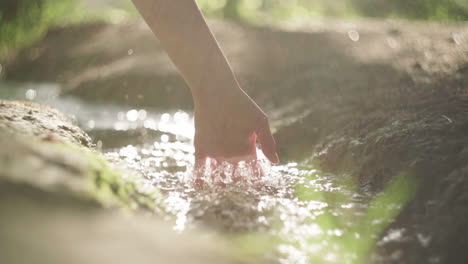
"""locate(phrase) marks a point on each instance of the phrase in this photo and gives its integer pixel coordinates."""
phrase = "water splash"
(311, 216)
(306, 215)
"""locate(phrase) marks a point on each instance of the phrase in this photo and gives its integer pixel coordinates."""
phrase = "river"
(294, 214)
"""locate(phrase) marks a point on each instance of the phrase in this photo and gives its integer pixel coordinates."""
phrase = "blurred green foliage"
(23, 21)
(414, 9)
(273, 10)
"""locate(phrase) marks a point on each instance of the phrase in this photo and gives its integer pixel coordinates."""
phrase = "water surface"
(294, 214)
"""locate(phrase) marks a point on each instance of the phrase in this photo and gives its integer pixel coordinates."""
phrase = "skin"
(227, 121)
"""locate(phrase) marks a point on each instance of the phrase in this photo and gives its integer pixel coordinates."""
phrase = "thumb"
(267, 142)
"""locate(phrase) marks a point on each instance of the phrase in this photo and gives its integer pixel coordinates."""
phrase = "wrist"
(212, 92)
(216, 79)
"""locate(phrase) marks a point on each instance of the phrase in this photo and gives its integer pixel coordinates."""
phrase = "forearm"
(184, 34)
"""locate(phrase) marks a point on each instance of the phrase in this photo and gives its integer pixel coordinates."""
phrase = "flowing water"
(294, 214)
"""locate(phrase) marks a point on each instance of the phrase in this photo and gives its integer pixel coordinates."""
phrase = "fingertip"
(200, 161)
(272, 157)
(268, 144)
(276, 159)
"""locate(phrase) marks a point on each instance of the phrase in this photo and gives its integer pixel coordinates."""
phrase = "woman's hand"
(227, 120)
(227, 124)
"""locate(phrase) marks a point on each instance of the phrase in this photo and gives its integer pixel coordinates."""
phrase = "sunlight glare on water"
(310, 216)
(235, 200)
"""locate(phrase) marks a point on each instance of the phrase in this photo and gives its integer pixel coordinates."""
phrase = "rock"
(29, 119)
(48, 152)
(44, 227)
(45, 165)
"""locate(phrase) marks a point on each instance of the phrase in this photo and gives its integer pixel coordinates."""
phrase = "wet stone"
(29, 119)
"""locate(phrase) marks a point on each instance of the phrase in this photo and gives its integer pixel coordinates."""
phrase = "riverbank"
(370, 99)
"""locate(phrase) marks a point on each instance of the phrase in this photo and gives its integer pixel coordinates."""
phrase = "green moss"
(382, 211)
(359, 240)
(113, 187)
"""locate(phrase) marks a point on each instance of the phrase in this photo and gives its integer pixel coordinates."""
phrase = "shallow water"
(294, 214)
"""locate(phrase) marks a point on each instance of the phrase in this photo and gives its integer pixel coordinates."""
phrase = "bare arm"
(227, 121)
(187, 39)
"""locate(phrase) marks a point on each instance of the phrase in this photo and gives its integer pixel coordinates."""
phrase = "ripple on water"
(308, 213)
(310, 216)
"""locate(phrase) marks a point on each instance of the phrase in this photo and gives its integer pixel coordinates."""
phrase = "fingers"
(200, 160)
(199, 166)
(267, 142)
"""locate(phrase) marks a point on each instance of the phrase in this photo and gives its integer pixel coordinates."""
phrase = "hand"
(227, 121)
(227, 125)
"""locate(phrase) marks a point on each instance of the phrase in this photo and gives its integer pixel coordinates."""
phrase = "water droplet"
(99, 144)
(120, 116)
(132, 115)
(457, 38)
(142, 114)
(392, 43)
(164, 138)
(165, 117)
(181, 117)
(31, 94)
(150, 123)
(91, 124)
(424, 240)
(336, 232)
(353, 35)
(130, 52)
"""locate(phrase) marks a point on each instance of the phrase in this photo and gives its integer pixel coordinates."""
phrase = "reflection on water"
(307, 216)
(100, 116)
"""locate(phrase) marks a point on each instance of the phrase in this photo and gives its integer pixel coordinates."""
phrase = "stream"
(296, 214)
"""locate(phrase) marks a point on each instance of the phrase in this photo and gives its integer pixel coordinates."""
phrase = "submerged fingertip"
(273, 158)
(276, 159)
